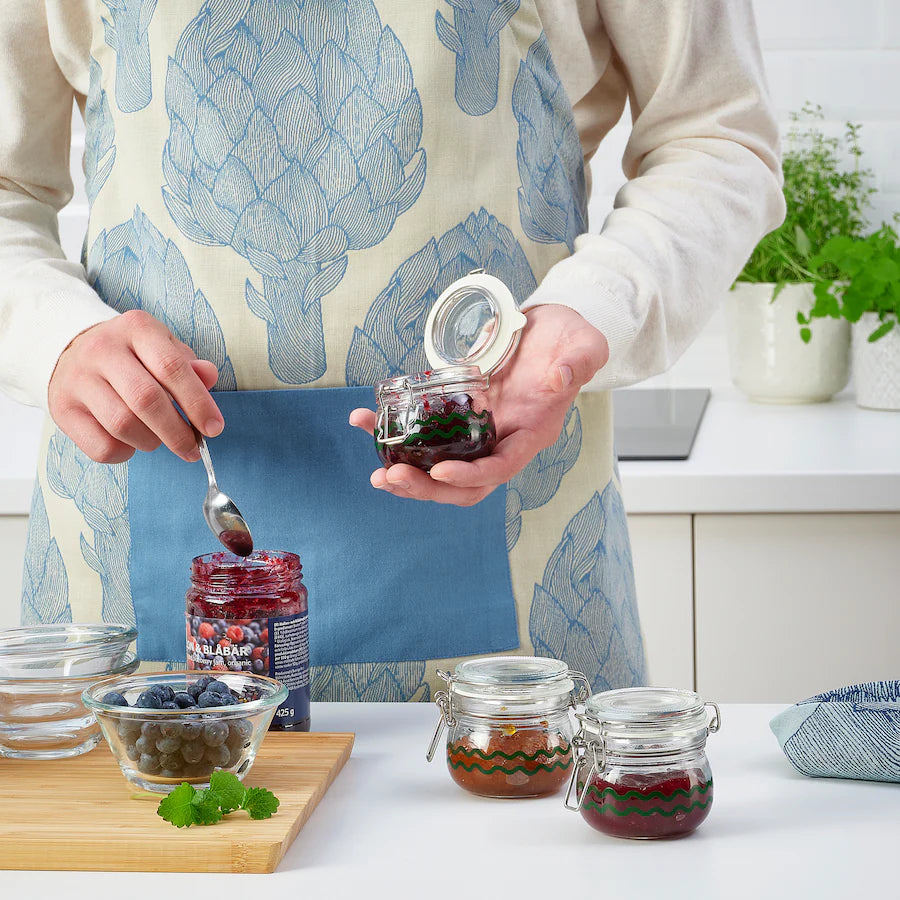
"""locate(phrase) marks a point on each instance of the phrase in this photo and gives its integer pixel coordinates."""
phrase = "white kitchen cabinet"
(661, 549)
(12, 551)
(791, 605)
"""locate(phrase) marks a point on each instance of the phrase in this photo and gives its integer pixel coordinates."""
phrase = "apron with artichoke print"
(288, 185)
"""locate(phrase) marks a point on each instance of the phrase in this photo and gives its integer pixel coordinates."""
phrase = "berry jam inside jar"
(509, 732)
(443, 413)
(641, 769)
(250, 614)
(427, 418)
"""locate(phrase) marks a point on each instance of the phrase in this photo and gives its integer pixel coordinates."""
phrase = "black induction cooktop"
(653, 423)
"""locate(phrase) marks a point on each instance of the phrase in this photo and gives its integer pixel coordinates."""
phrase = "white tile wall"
(841, 54)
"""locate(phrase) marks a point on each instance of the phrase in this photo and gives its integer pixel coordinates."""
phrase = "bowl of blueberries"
(172, 727)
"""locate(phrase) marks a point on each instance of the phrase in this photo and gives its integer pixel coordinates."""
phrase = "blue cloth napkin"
(851, 732)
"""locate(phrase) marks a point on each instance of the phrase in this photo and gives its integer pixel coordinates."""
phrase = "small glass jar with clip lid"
(442, 413)
(641, 769)
(509, 729)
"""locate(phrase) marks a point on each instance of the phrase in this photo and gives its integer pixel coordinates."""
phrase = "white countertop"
(747, 457)
(393, 826)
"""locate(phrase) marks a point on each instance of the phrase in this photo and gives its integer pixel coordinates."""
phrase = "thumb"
(584, 353)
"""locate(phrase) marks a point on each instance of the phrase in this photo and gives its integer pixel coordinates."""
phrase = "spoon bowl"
(221, 514)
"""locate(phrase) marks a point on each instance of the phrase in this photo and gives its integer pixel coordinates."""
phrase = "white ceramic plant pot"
(876, 365)
(769, 361)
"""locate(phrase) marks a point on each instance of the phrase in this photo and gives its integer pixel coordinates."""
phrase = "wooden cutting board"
(81, 813)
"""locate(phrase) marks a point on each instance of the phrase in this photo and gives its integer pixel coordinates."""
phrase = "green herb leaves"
(826, 192)
(186, 806)
(867, 279)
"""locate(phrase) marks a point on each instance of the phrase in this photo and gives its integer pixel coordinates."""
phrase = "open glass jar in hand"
(509, 730)
(640, 762)
(440, 414)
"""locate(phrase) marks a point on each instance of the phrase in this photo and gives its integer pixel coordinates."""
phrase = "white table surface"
(393, 826)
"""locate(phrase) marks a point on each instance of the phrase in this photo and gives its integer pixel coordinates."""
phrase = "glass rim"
(95, 704)
(431, 378)
(19, 641)
(644, 706)
(123, 669)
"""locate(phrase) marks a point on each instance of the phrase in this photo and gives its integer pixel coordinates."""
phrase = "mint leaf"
(260, 803)
(177, 807)
(228, 789)
(205, 808)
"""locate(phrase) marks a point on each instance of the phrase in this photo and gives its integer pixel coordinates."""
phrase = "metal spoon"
(223, 517)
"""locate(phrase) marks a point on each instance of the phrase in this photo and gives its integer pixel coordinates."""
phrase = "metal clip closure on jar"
(640, 762)
(422, 419)
(510, 734)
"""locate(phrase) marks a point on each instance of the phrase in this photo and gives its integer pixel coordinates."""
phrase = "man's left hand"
(558, 354)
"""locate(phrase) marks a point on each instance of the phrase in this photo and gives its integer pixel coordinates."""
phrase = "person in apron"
(279, 189)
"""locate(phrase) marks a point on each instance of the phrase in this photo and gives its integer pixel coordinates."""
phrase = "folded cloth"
(851, 732)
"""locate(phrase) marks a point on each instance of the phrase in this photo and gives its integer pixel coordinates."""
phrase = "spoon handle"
(204, 455)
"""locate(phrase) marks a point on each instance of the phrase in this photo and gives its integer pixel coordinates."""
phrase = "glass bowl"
(42, 715)
(63, 650)
(158, 749)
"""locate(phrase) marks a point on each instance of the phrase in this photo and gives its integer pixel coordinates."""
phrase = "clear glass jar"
(509, 729)
(641, 769)
(426, 418)
(250, 614)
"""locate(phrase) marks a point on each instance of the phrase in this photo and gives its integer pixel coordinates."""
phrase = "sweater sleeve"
(704, 183)
(45, 300)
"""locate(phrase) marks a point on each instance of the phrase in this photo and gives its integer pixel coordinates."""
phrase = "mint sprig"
(186, 806)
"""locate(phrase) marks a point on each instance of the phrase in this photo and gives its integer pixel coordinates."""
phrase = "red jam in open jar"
(641, 769)
(250, 614)
(427, 418)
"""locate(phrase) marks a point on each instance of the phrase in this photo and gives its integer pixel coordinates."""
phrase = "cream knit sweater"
(702, 165)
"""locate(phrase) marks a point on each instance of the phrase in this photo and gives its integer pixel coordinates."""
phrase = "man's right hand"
(113, 387)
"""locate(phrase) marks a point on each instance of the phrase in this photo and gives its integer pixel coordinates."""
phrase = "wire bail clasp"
(382, 424)
(580, 748)
(716, 722)
(444, 701)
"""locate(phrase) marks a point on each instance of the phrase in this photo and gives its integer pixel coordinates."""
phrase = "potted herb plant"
(861, 284)
(825, 199)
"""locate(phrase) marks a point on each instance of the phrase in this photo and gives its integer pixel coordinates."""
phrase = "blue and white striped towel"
(851, 732)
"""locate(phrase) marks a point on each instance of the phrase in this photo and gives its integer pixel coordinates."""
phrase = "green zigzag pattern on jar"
(458, 424)
(594, 795)
(564, 761)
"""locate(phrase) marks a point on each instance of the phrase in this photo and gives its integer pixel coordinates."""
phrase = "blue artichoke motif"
(45, 584)
(585, 610)
(126, 32)
(370, 682)
(552, 199)
(133, 266)
(536, 484)
(391, 340)
(474, 37)
(100, 493)
(100, 142)
(294, 139)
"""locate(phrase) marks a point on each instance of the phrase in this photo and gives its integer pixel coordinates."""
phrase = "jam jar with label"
(442, 413)
(509, 733)
(250, 614)
(641, 769)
